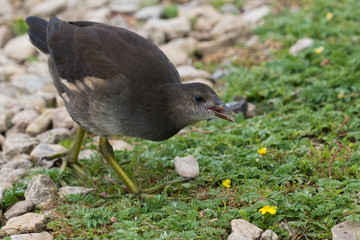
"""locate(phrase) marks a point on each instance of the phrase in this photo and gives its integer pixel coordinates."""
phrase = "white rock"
(269, 235)
(33, 236)
(24, 117)
(6, 10)
(67, 190)
(253, 16)
(188, 44)
(29, 222)
(176, 55)
(18, 209)
(199, 80)
(30, 101)
(98, 15)
(300, 45)
(237, 236)
(187, 166)
(146, 13)
(48, 8)
(41, 189)
(30, 82)
(44, 149)
(5, 35)
(19, 48)
(87, 153)
(124, 6)
(96, 3)
(5, 120)
(54, 135)
(61, 118)
(346, 230)
(120, 145)
(229, 8)
(41, 123)
(245, 228)
(229, 24)
(208, 47)
(18, 143)
(188, 72)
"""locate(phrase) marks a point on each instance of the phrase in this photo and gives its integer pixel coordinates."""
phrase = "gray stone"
(226, 39)
(199, 80)
(118, 21)
(39, 68)
(48, 93)
(348, 230)
(18, 143)
(229, 8)
(61, 118)
(300, 45)
(121, 145)
(87, 153)
(6, 10)
(30, 82)
(67, 190)
(188, 44)
(2, 190)
(54, 135)
(5, 35)
(176, 55)
(17, 128)
(253, 16)
(5, 120)
(44, 149)
(247, 229)
(187, 166)
(238, 106)
(188, 72)
(41, 190)
(48, 8)
(251, 110)
(146, 13)
(124, 6)
(18, 209)
(31, 101)
(19, 48)
(26, 117)
(33, 236)
(237, 236)
(41, 123)
(29, 222)
(206, 16)
(96, 3)
(230, 24)
(269, 235)
(20, 161)
(251, 4)
(98, 15)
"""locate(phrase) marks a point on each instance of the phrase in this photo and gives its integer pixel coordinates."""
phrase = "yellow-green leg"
(107, 152)
(71, 155)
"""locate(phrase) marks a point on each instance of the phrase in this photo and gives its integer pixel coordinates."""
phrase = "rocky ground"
(33, 119)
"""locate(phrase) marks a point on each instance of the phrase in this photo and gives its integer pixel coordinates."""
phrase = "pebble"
(48, 8)
(41, 190)
(146, 13)
(120, 145)
(18, 143)
(33, 236)
(45, 149)
(29, 222)
(237, 236)
(346, 230)
(67, 190)
(24, 117)
(19, 48)
(61, 118)
(300, 45)
(87, 153)
(18, 209)
(187, 166)
(176, 55)
(188, 72)
(5, 35)
(247, 229)
(54, 135)
(269, 235)
(41, 123)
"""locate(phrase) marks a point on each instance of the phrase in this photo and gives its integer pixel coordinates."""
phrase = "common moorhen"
(115, 82)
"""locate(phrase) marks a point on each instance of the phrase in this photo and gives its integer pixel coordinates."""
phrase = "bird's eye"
(199, 98)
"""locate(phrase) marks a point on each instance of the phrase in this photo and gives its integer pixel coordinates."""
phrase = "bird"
(115, 82)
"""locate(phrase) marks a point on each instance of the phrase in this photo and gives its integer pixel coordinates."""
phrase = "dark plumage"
(115, 82)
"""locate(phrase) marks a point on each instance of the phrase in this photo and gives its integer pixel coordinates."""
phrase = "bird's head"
(195, 102)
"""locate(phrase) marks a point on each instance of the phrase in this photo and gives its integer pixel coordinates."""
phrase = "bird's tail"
(37, 33)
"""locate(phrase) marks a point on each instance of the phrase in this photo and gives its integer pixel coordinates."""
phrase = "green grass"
(301, 103)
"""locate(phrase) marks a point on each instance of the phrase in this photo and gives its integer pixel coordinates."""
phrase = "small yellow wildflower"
(268, 209)
(329, 15)
(341, 95)
(262, 151)
(226, 183)
(319, 50)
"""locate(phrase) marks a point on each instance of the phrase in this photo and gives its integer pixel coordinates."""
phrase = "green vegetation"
(19, 27)
(170, 11)
(302, 101)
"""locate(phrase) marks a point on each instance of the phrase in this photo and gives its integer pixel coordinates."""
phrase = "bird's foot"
(161, 186)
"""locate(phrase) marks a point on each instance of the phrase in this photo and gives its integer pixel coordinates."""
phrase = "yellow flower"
(226, 183)
(319, 50)
(268, 209)
(329, 15)
(262, 151)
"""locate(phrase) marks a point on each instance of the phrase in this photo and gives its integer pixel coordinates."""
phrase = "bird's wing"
(88, 49)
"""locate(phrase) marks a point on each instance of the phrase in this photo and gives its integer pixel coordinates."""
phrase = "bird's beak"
(223, 111)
